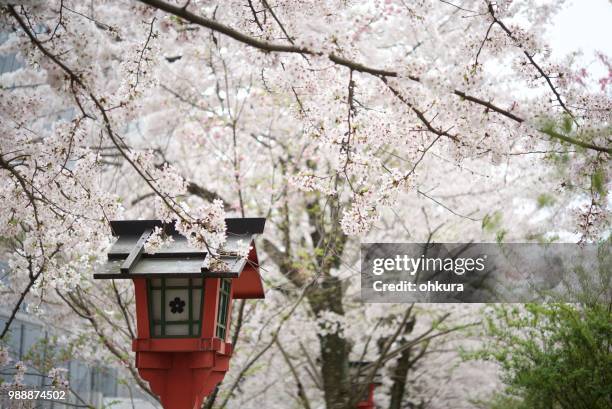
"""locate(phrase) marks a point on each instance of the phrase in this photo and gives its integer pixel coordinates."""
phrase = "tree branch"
(301, 393)
(353, 65)
(531, 60)
(223, 29)
(115, 139)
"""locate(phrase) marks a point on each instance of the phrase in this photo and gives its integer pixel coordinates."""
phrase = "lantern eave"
(122, 276)
(169, 267)
(127, 258)
(234, 226)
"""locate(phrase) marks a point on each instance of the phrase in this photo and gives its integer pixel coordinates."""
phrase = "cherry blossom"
(339, 121)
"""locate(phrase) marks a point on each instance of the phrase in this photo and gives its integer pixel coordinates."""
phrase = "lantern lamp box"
(183, 306)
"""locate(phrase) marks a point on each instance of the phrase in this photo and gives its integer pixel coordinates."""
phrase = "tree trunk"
(334, 347)
(404, 364)
(399, 376)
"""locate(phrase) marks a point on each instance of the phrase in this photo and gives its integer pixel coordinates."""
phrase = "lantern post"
(183, 308)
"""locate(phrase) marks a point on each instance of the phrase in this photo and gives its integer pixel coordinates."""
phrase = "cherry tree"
(339, 121)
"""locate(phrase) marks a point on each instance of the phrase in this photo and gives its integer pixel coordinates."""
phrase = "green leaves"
(491, 222)
(545, 200)
(567, 124)
(552, 356)
(598, 181)
(563, 130)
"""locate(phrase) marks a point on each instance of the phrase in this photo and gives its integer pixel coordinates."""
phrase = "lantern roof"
(178, 259)
(361, 370)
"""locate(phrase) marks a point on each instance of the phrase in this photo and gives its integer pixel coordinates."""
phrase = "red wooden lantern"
(359, 372)
(183, 308)
(367, 401)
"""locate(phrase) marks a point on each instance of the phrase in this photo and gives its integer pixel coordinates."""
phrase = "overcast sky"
(585, 25)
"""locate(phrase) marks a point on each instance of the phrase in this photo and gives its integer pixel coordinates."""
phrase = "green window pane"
(223, 307)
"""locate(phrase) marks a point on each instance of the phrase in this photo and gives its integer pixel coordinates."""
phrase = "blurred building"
(99, 386)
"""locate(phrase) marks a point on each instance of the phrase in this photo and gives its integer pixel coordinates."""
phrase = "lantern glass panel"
(175, 307)
(177, 330)
(223, 308)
